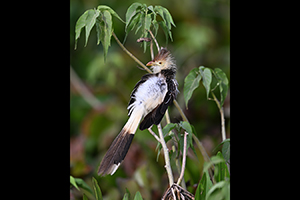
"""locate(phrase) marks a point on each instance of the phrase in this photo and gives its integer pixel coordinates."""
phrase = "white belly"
(150, 94)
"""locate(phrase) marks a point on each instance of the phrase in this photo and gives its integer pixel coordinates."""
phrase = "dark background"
(201, 37)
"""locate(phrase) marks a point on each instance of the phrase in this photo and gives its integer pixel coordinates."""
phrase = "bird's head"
(163, 60)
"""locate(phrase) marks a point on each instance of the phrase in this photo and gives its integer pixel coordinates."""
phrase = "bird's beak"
(150, 63)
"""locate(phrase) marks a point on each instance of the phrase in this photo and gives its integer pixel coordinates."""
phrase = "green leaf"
(226, 151)
(220, 190)
(102, 8)
(85, 197)
(73, 182)
(90, 22)
(168, 128)
(138, 196)
(191, 82)
(79, 25)
(146, 27)
(223, 84)
(226, 140)
(97, 190)
(131, 11)
(203, 187)
(221, 170)
(126, 195)
(80, 183)
(106, 31)
(131, 25)
(206, 78)
(186, 126)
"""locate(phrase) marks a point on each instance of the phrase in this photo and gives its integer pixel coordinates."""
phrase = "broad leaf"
(223, 84)
(191, 82)
(168, 128)
(90, 22)
(220, 190)
(79, 25)
(97, 190)
(206, 78)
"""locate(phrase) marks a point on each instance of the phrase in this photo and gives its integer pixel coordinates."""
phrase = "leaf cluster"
(206, 190)
(143, 17)
(207, 76)
(102, 17)
(138, 15)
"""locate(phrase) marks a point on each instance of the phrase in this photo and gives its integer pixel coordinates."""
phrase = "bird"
(149, 100)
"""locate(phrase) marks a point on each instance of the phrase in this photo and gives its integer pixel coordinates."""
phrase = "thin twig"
(166, 155)
(130, 54)
(156, 137)
(157, 46)
(151, 49)
(184, 158)
(84, 92)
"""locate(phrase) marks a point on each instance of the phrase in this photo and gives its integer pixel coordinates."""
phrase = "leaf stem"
(157, 46)
(222, 116)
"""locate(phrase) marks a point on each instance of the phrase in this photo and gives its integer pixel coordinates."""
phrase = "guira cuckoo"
(149, 100)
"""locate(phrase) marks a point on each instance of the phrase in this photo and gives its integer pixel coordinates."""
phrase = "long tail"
(119, 147)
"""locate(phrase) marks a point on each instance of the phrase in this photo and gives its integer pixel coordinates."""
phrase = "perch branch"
(156, 137)
(166, 155)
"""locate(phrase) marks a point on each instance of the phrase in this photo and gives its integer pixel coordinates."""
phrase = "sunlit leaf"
(97, 189)
(191, 82)
(73, 182)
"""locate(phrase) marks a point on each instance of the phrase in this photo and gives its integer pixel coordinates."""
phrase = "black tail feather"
(116, 153)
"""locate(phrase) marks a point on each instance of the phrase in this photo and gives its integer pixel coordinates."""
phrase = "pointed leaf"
(168, 16)
(191, 82)
(106, 31)
(221, 76)
(221, 170)
(85, 197)
(138, 196)
(79, 25)
(131, 11)
(102, 8)
(90, 22)
(206, 78)
(73, 182)
(203, 187)
(131, 25)
(168, 128)
(80, 183)
(97, 190)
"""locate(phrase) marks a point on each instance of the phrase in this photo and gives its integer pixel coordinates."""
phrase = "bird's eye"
(159, 62)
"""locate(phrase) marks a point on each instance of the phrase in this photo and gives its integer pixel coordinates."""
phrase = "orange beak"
(150, 63)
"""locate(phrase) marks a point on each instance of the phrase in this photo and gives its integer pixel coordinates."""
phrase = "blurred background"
(100, 92)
